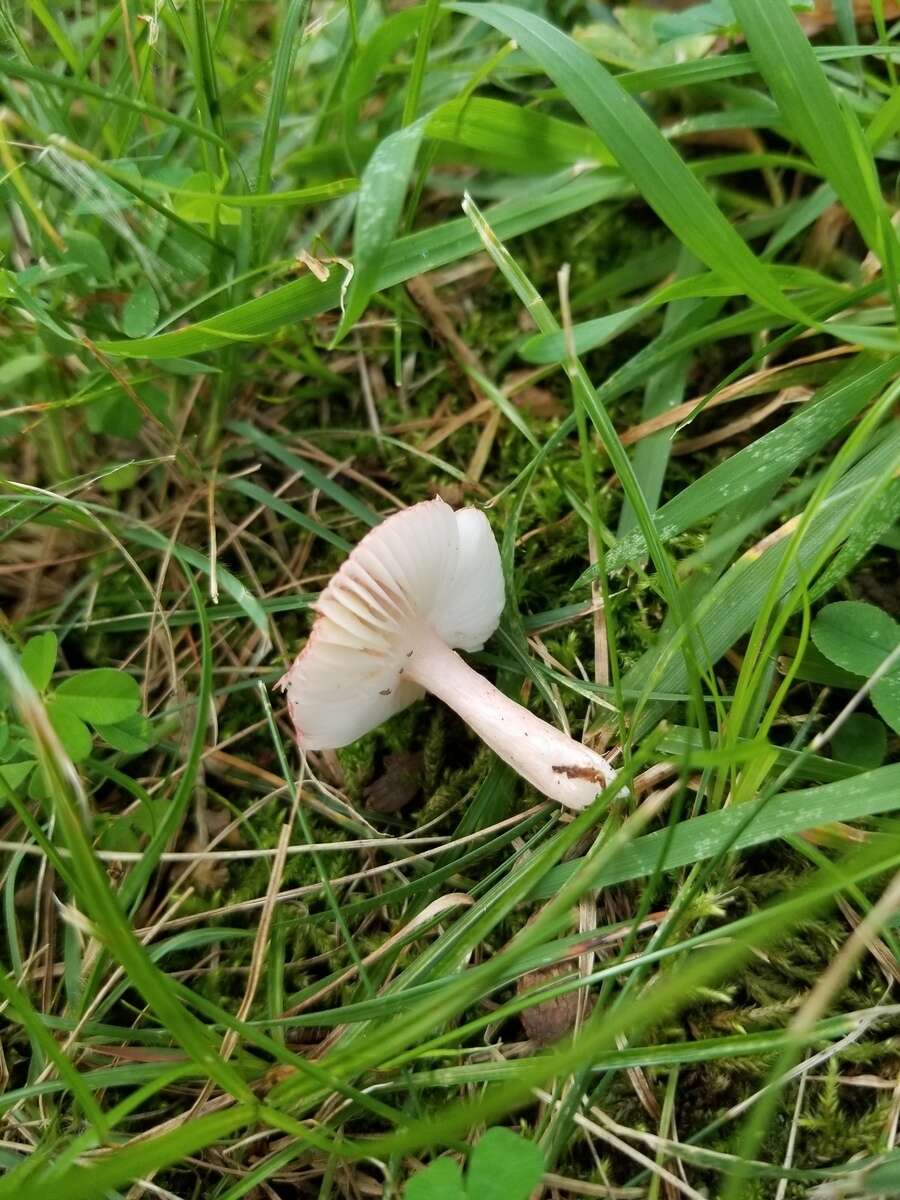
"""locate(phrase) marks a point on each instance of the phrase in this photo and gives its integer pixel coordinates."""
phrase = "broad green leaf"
(382, 191)
(120, 479)
(116, 415)
(90, 252)
(861, 740)
(116, 833)
(703, 837)
(16, 369)
(858, 637)
(656, 169)
(441, 1180)
(14, 775)
(103, 695)
(71, 730)
(197, 199)
(39, 659)
(131, 736)
(503, 1166)
(855, 635)
(886, 698)
(884, 1179)
(141, 311)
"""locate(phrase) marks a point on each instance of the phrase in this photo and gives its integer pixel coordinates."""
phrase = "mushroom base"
(560, 768)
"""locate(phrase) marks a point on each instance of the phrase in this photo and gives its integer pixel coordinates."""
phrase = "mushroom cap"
(426, 567)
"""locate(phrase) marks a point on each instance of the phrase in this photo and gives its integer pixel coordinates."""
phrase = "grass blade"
(268, 500)
(706, 836)
(810, 108)
(303, 467)
(730, 609)
(641, 151)
(407, 257)
(294, 22)
(769, 460)
(97, 899)
(379, 205)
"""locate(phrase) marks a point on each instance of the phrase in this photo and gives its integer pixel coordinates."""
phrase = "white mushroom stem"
(556, 765)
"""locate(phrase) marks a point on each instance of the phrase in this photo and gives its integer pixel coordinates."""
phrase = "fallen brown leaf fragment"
(552, 1019)
(398, 784)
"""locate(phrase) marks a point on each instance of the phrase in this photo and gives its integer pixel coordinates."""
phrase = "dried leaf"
(398, 784)
(552, 1019)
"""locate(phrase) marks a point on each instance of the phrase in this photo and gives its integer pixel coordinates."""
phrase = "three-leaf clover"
(503, 1166)
(102, 701)
(858, 637)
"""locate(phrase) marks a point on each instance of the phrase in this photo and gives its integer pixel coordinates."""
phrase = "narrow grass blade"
(810, 108)
(246, 601)
(664, 391)
(95, 896)
(407, 257)
(290, 512)
(70, 1076)
(143, 1157)
(371, 57)
(420, 61)
(515, 138)
(293, 198)
(704, 837)
(642, 152)
(294, 22)
(770, 459)
(18, 70)
(734, 66)
(304, 467)
(731, 607)
(133, 887)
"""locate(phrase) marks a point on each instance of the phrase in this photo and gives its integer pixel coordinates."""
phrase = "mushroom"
(425, 582)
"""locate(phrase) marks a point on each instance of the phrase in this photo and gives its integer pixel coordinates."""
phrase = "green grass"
(657, 341)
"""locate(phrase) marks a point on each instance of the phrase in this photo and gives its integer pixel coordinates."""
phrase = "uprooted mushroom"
(419, 586)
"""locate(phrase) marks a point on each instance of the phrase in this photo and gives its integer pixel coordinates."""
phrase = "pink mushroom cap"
(426, 568)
